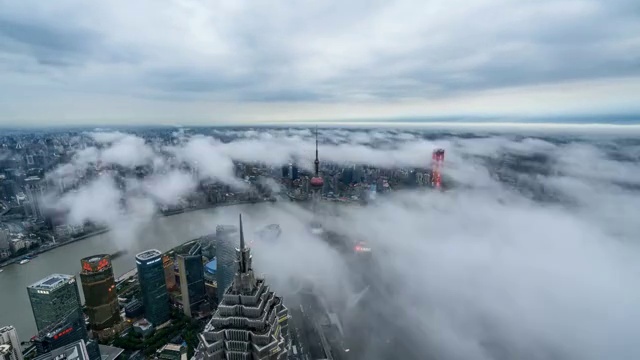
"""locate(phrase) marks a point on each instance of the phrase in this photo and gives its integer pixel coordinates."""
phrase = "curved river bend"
(162, 233)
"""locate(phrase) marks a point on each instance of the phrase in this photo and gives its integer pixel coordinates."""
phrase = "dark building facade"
(68, 330)
(155, 297)
(53, 298)
(226, 241)
(192, 288)
(74, 351)
(134, 309)
(99, 288)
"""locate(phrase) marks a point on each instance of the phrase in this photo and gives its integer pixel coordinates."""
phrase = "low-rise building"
(17, 244)
(172, 352)
(143, 327)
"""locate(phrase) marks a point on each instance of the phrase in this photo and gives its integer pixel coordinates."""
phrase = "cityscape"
(296, 280)
(177, 303)
(319, 180)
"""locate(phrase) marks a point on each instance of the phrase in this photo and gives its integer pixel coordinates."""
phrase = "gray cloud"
(522, 259)
(320, 52)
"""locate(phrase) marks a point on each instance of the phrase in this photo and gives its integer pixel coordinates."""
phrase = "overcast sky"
(206, 62)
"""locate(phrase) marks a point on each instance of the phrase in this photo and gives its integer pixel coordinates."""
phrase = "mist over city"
(319, 180)
(527, 249)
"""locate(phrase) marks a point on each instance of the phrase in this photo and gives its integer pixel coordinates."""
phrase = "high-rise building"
(192, 288)
(67, 330)
(99, 288)
(9, 343)
(169, 272)
(316, 183)
(155, 297)
(225, 254)
(74, 351)
(53, 298)
(293, 171)
(251, 321)
(35, 192)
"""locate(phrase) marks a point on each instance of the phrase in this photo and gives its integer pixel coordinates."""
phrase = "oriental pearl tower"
(316, 185)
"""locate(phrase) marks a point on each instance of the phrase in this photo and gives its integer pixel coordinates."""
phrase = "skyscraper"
(251, 322)
(53, 298)
(155, 296)
(169, 272)
(99, 288)
(192, 288)
(10, 343)
(317, 183)
(35, 192)
(69, 329)
(225, 253)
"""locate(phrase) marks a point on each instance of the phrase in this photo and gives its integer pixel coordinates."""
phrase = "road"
(303, 316)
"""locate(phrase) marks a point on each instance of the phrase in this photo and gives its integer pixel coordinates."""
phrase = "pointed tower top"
(317, 162)
(241, 235)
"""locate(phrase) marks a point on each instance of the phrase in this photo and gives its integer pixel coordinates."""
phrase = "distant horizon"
(612, 120)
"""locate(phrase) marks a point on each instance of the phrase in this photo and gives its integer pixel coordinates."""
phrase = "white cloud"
(128, 151)
(519, 260)
(168, 188)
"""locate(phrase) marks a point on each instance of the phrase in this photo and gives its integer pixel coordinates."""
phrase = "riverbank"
(49, 247)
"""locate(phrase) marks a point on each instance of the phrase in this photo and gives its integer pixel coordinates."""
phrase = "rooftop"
(148, 254)
(5, 349)
(171, 347)
(95, 258)
(212, 266)
(109, 352)
(73, 351)
(7, 328)
(51, 282)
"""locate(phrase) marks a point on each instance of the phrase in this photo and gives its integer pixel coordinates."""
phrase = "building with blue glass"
(153, 287)
(226, 244)
(191, 271)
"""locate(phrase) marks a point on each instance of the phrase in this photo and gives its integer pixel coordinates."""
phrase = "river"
(161, 233)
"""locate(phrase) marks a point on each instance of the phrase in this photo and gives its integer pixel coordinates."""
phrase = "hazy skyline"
(193, 62)
(531, 254)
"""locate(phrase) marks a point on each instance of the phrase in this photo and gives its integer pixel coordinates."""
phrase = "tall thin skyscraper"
(99, 288)
(53, 298)
(10, 344)
(316, 183)
(251, 321)
(191, 271)
(35, 192)
(225, 253)
(155, 296)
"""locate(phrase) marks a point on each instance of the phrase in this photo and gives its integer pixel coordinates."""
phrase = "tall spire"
(317, 162)
(242, 265)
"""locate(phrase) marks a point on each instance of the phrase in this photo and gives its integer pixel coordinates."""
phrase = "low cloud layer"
(532, 253)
